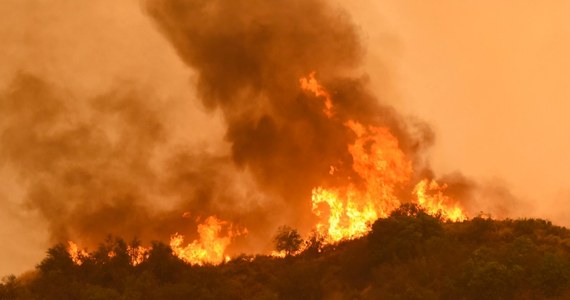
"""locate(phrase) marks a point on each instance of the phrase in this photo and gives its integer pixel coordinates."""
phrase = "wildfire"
(378, 160)
(382, 167)
(77, 255)
(345, 211)
(430, 197)
(210, 247)
(138, 254)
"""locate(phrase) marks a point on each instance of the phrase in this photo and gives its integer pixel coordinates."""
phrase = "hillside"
(410, 255)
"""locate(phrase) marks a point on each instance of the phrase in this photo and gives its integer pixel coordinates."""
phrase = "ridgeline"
(409, 255)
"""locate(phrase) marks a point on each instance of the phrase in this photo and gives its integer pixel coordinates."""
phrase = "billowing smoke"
(79, 179)
(111, 166)
(107, 168)
(249, 57)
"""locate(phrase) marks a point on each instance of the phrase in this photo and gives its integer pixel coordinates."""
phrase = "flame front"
(136, 254)
(382, 167)
(210, 247)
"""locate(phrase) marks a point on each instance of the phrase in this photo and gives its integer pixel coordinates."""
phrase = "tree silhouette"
(288, 240)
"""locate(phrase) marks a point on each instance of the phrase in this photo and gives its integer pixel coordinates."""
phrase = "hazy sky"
(489, 76)
(492, 79)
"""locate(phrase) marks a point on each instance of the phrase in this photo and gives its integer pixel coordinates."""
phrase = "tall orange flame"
(383, 167)
(381, 164)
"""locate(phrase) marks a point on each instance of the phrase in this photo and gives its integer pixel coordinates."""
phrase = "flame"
(138, 254)
(311, 84)
(210, 247)
(379, 162)
(431, 198)
(278, 254)
(382, 168)
(77, 255)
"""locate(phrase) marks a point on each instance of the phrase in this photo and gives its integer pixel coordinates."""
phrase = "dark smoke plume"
(77, 177)
(249, 56)
(110, 167)
(107, 169)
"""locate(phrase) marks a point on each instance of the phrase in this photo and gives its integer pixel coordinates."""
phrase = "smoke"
(79, 178)
(249, 57)
(110, 165)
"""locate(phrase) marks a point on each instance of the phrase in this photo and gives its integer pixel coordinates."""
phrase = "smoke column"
(110, 166)
(249, 57)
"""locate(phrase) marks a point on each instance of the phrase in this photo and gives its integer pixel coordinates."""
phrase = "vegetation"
(410, 255)
(288, 240)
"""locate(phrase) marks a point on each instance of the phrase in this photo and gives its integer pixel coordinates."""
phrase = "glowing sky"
(489, 76)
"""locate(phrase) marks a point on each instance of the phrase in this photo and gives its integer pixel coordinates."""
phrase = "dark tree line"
(410, 255)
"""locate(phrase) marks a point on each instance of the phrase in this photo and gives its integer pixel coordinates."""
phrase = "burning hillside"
(306, 142)
(408, 255)
(381, 168)
(277, 171)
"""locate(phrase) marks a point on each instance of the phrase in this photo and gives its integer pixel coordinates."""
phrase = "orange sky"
(489, 76)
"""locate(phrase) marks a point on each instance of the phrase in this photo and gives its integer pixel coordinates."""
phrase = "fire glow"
(210, 247)
(344, 211)
(136, 254)
(383, 167)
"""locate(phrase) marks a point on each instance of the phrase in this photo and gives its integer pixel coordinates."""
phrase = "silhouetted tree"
(288, 240)
(57, 276)
(403, 234)
(163, 264)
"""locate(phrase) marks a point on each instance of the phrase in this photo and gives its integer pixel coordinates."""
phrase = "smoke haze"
(119, 118)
